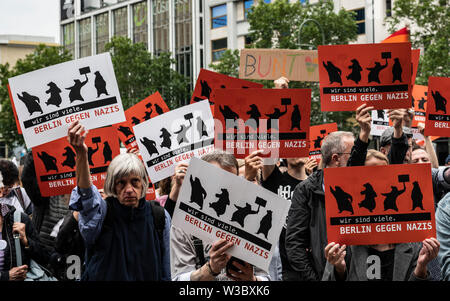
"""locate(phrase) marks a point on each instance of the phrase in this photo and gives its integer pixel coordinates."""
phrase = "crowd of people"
(119, 235)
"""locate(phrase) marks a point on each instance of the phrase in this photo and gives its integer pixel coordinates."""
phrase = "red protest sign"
(419, 100)
(146, 109)
(209, 81)
(379, 204)
(438, 110)
(316, 134)
(376, 74)
(19, 130)
(55, 161)
(273, 120)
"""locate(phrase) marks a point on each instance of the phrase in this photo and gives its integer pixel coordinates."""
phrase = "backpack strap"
(159, 217)
(17, 219)
(19, 195)
(200, 254)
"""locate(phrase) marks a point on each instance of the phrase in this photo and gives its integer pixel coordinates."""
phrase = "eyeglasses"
(343, 153)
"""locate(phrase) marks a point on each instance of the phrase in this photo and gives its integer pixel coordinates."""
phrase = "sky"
(30, 17)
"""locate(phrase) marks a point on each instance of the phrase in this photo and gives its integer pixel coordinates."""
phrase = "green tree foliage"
(43, 56)
(139, 74)
(430, 31)
(277, 25)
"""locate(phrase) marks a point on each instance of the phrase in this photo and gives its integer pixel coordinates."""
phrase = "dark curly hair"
(10, 172)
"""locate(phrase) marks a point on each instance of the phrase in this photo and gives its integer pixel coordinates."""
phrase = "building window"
(101, 32)
(218, 48)
(84, 30)
(248, 41)
(161, 26)
(69, 38)
(388, 8)
(360, 20)
(219, 16)
(183, 40)
(140, 31)
(247, 6)
(120, 22)
(303, 1)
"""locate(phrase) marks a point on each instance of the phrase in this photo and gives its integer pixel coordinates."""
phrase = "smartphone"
(232, 267)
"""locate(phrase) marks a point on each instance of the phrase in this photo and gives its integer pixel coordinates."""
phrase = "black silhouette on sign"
(343, 199)
(49, 161)
(380, 114)
(390, 202)
(318, 141)
(148, 114)
(201, 127)
(242, 212)
(167, 142)
(274, 118)
(70, 157)
(150, 145)
(439, 101)
(355, 75)
(158, 109)
(296, 118)
(181, 133)
(396, 71)
(31, 102)
(125, 130)
(107, 152)
(254, 116)
(375, 70)
(223, 201)
(228, 114)
(266, 224)
(55, 97)
(416, 196)
(206, 92)
(198, 193)
(422, 102)
(334, 73)
(369, 200)
(135, 120)
(75, 90)
(100, 84)
(91, 152)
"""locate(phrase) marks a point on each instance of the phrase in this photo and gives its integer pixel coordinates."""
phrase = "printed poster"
(376, 74)
(148, 108)
(49, 99)
(55, 161)
(273, 120)
(368, 205)
(380, 122)
(438, 110)
(227, 206)
(316, 134)
(175, 137)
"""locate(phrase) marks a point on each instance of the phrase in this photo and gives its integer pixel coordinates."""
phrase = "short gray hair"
(121, 166)
(223, 158)
(333, 144)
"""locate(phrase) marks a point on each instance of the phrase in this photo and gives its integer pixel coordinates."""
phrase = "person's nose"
(129, 187)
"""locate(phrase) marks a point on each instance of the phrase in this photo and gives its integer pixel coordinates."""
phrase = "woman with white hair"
(127, 237)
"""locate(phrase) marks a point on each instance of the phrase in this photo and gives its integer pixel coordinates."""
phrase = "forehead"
(128, 177)
(420, 153)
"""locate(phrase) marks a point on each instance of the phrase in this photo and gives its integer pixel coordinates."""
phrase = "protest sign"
(380, 122)
(273, 120)
(48, 100)
(175, 137)
(316, 135)
(55, 161)
(368, 205)
(378, 75)
(438, 110)
(208, 82)
(229, 207)
(148, 108)
(296, 65)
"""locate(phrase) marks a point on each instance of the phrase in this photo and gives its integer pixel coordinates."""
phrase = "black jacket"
(35, 250)
(306, 232)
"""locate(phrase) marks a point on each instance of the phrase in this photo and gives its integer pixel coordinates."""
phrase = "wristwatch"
(211, 271)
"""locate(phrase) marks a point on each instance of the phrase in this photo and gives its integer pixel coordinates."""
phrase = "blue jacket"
(129, 248)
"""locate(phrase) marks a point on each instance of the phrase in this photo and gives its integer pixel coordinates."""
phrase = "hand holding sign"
(76, 137)
(364, 119)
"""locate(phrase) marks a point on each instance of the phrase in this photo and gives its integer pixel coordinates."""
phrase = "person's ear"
(334, 159)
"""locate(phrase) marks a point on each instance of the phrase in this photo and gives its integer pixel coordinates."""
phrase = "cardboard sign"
(419, 102)
(438, 109)
(148, 108)
(55, 161)
(273, 120)
(368, 205)
(48, 100)
(296, 65)
(214, 204)
(175, 137)
(380, 122)
(316, 135)
(208, 82)
(376, 74)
